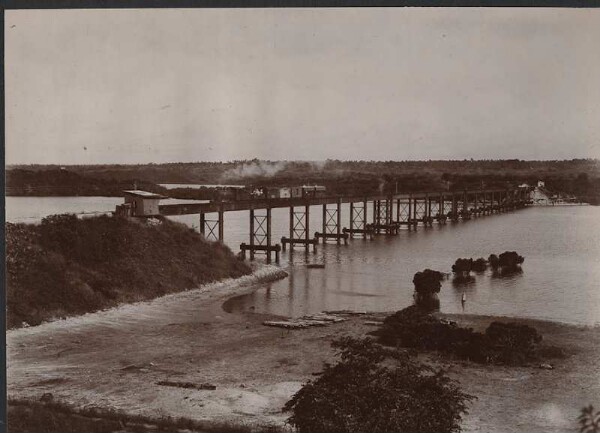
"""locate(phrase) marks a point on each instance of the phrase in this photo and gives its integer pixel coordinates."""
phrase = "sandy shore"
(115, 359)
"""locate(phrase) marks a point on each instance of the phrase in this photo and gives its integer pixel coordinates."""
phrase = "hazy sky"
(128, 86)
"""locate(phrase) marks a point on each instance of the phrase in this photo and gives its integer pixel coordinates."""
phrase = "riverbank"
(68, 266)
(131, 359)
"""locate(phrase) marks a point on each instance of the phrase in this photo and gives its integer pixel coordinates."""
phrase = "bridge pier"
(465, 213)
(212, 230)
(382, 217)
(441, 213)
(358, 220)
(332, 224)
(299, 230)
(260, 236)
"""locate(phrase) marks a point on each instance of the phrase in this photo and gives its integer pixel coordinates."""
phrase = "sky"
(171, 85)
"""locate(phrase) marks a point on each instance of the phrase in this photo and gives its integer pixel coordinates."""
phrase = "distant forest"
(579, 177)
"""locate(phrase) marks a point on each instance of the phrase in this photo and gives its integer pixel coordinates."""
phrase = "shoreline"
(229, 287)
(115, 360)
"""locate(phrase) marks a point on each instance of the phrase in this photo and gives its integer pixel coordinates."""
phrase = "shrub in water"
(480, 265)
(427, 303)
(428, 282)
(462, 266)
(493, 261)
(510, 259)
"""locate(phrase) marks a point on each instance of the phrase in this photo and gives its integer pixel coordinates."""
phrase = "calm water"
(33, 209)
(560, 279)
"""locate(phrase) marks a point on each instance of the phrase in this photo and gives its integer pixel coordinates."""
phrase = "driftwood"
(319, 319)
(200, 386)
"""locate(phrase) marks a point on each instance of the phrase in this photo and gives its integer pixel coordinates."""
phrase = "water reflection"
(427, 303)
(376, 275)
(460, 281)
(507, 272)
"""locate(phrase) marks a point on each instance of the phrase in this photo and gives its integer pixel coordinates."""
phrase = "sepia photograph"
(311, 219)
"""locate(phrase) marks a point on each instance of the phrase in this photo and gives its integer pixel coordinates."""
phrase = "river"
(560, 279)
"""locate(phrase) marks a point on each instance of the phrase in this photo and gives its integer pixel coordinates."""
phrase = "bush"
(462, 266)
(493, 261)
(502, 343)
(428, 282)
(480, 265)
(511, 343)
(510, 259)
(376, 389)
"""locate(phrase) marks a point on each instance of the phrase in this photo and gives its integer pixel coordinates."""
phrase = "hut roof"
(144, 194)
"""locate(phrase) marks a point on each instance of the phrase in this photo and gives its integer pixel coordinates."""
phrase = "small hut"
(139, 204)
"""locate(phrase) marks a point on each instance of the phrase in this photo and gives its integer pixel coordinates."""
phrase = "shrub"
(376, 389)
(502, 343)
(480, 265)
(428, 282)
(493, 261)
(462, 266)
(510, 259)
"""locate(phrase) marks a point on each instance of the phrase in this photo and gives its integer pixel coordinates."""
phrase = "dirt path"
(116, 358)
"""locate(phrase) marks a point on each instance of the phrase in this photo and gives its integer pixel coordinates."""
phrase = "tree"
(479, 265)
(462, 266)
(510, 259)
(428, 282)
(361, 394)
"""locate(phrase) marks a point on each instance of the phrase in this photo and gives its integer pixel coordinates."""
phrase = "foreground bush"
(502, 343)
(67, 266)
(373, 389)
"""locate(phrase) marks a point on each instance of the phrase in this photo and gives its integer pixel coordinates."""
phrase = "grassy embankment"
(67, 266)
(45, 417)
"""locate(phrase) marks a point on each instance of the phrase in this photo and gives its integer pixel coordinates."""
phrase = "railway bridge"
(389, 214)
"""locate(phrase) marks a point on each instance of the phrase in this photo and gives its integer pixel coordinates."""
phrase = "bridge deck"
(196, 208)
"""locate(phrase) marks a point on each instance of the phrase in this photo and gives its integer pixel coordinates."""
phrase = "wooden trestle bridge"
(390, 213)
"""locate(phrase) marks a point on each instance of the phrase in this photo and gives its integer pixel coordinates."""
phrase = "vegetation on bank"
(64, 183)
(578, 177)
(501, 343)
(377, 389)
(26, 416)
(68, 266)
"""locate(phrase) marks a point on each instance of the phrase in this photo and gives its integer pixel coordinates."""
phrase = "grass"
(45, 417)
(69, 266)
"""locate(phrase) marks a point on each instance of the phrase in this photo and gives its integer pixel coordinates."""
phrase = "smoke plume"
(255, 169)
